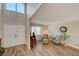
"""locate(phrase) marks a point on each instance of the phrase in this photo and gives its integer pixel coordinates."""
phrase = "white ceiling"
(52, 12)
(32, 8)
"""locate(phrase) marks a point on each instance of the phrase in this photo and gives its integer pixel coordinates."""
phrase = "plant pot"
(2, 50)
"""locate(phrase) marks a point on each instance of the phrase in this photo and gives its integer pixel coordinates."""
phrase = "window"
(19, 7)
(11, 6)
(36, 30)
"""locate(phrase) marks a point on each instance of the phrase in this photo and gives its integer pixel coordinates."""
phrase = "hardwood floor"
(19, 50)
(49, 49)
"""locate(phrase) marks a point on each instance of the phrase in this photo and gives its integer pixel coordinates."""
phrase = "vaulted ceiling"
(32, 8)
(54, 12)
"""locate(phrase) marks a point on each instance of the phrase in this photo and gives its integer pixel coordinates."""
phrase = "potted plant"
(65, 38)
(2, 50)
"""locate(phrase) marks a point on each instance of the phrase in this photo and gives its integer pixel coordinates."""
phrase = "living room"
(57, 15)
(52, 26)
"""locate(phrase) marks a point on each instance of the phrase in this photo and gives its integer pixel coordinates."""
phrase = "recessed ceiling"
(55, 12)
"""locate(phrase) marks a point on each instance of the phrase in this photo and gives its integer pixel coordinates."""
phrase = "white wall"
(13, 22)
(14, 35)
(73, 31)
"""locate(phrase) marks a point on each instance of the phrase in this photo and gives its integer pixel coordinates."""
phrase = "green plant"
(66, 36)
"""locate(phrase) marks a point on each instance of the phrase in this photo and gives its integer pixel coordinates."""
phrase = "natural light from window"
(17, 7)
(36, 30)
(11, 6)
(20, 8)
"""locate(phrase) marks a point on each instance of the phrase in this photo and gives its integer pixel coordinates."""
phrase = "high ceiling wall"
(32, 8)
(53, 12)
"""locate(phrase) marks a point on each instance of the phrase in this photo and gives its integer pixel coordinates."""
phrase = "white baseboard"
(12, 45)
(73, 46)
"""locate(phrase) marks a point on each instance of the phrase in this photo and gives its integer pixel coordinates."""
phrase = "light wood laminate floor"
(40, 49)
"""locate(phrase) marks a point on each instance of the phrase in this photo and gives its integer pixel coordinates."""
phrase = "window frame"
(16, 4)
(36, 30)
(17, 8)
(9, 8)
